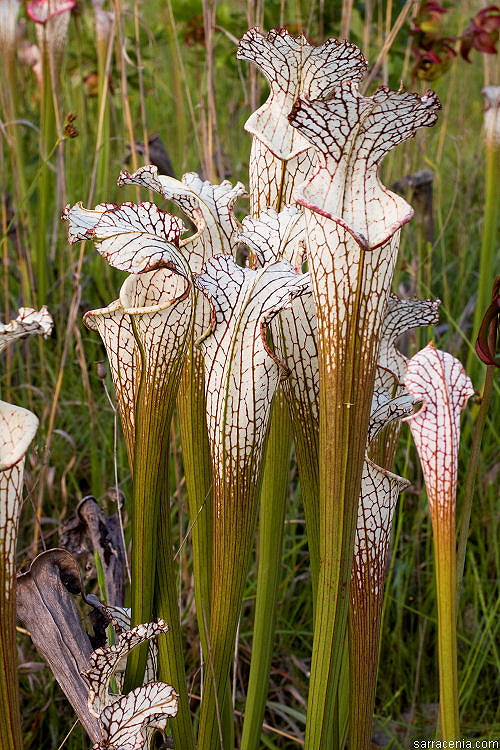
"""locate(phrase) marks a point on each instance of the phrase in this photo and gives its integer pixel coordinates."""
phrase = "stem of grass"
(489, 243)
(470, 479)
(46, 183)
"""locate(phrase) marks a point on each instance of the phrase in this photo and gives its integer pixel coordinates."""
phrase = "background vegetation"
(169, 69)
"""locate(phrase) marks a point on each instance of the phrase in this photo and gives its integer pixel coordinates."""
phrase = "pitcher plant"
(18, 427)
(297, 338)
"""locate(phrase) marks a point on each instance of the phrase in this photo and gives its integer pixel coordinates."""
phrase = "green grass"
(80, 457)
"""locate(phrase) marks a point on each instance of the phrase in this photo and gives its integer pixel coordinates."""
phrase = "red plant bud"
(482, 32)
(428, 22)
(487, 339)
